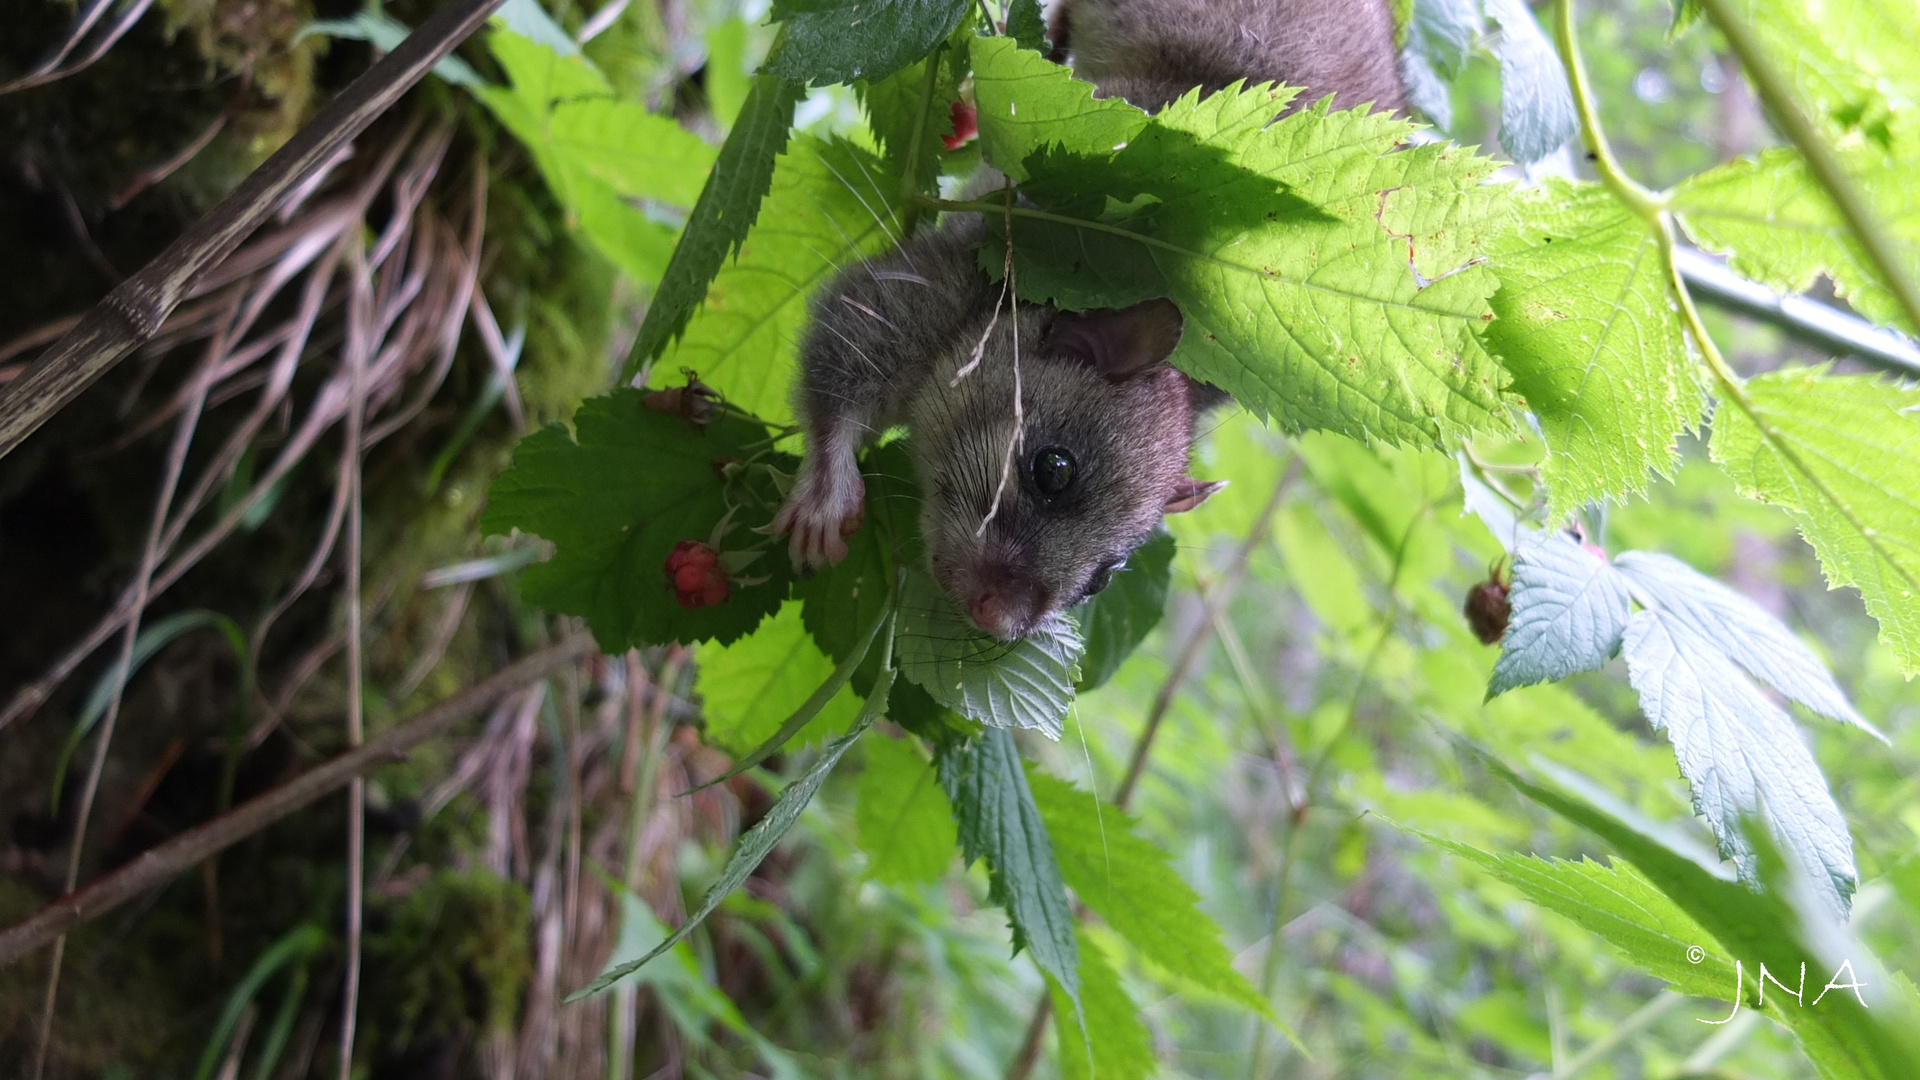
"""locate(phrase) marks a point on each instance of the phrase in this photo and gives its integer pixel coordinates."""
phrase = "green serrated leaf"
(726, 209)
(1760, 927)
(1027, 102)
(1841, 454)
(838, 43)
(1120, 617)
(1328, 280)
(636, 482)
(750, 687)
(1022, 684)
(754, 846)
(829, 204)
(1584, 324)
(844, 598)
(564, 111)
(1848, 66)
(1102, 1038)
(1777, 226)
(1619, 905)
(997, 821)
(910, 112)
(903, 821)
(1130, 884)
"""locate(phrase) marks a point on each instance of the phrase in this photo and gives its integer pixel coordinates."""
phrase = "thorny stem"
(1776, 93)
(1215, 601)
(149, 557)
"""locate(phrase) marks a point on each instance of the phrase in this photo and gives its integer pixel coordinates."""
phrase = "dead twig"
(135, 310)
(156, 866)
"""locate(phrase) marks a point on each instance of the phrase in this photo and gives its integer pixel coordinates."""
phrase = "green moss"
(447, 960)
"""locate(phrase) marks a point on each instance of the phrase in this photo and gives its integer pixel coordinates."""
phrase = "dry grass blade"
(56, 66)
(157, 865)
(135, 311)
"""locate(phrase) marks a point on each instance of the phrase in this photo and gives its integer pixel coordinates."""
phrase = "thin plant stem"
(149, 557)
(356, 357)
(1775, 92)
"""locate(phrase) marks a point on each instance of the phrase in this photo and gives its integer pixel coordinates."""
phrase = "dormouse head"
(1023, 518)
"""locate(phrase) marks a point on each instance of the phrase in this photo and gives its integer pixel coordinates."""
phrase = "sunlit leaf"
(1841, 454)
(1022, 684)
(1569, 611)
(749, 687)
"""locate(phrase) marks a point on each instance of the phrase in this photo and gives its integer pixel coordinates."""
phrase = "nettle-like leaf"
(1841, 454)
(1569, 612)
(903, 821)
(1027, 102)
(755, 844)
(726, 209)
(1536, 107)
(840, 42)
(1774, 926)
(1848, 66)
(1778, 227)
(1130, 883)
(1740, 753)
(1102, 1039)
(1022, 684)
(1328, 280)
(582, 137)
(829, 204)
(616, 496)
(998, 822)
(1621, 906)
(910, 115)
(1119, 618)
(748, 688)
(844, 598)
(1585, 326)
(1741, 629)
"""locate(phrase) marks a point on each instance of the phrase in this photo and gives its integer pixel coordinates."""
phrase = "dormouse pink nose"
(990, 612)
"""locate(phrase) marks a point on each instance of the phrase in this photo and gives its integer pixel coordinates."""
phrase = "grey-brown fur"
(893, 337)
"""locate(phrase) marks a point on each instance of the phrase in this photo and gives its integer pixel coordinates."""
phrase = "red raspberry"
(966, 124)
(690, 577)
(690, 553)
(716, 589)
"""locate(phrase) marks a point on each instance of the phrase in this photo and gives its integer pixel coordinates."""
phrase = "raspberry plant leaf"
(829, 204)
(840, 42)
(1130, 884)
(1105, 1038)
(615, 496)
(998, 821)
(1841, 454)
(1119, 618)
(1585, 325)
(903, 820)
(1569, 611)
(1022, 684)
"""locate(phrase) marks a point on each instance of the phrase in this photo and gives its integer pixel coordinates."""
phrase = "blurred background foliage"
(1320, 723)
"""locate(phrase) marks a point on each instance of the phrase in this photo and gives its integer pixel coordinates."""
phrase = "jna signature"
(1843, 979)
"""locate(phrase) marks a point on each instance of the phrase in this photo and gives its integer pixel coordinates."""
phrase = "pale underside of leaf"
(1740, 753)
(1022, 684)
(1569, 610)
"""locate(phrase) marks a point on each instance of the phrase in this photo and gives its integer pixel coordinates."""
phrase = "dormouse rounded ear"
(1118, 342)
(1189, 493)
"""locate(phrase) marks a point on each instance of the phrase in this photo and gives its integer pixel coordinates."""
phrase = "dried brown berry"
(1487, 609)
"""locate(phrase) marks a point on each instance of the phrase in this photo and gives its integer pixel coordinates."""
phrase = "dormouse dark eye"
(1053, 470)
(1102, 578)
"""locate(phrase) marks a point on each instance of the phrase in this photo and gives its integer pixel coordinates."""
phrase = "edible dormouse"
(1025, 516)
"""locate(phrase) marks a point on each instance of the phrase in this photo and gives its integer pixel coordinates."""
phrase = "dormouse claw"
(825, 506)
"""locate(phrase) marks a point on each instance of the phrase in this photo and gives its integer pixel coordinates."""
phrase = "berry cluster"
(694, 569)
(966, 124)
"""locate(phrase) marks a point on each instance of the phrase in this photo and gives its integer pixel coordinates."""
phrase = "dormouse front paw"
(824, 507)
